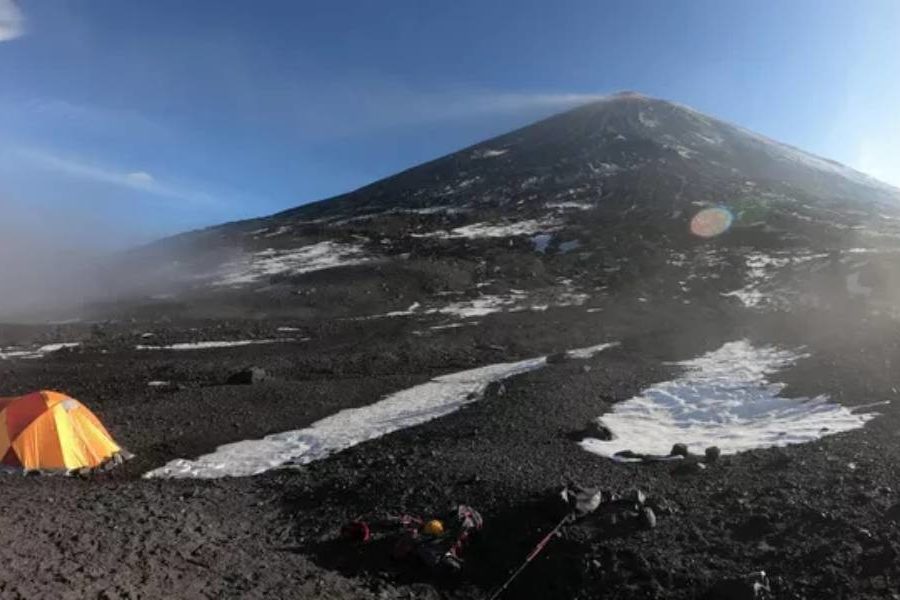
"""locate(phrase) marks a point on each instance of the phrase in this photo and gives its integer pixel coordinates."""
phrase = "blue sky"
(138, 119)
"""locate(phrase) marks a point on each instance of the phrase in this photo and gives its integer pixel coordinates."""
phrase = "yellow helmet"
(433, 527)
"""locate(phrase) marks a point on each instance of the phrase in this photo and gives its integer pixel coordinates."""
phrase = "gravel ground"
(818, 518)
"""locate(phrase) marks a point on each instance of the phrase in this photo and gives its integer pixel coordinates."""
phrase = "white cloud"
(446, 106)
(361, 105)
(141, 177)
(12, 21)
(135, 180)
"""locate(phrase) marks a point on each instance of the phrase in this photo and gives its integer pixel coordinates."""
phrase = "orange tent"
(49, 431)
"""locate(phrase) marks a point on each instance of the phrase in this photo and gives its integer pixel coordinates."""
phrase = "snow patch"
(400, 313)
(685, 152)
(432, 210)
(761, 268)
(413, 406)
(218, 344)
(280, 231)
(481, 306)
(569, 204)
(647, 120)
(712, 140)
(723, 399)
(490, 153)
(266, 263)
(39, 352)
(513, 302)
(492, 230)
(590, 351)
(453, 325)
(604, 168)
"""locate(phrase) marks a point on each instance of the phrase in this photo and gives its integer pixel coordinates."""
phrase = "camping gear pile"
(51, 432)
(439, 544)
(435, 543)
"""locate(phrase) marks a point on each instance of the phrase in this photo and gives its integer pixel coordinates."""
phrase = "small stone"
(636, 496)
(712, 454)
(592, 429)
(679, 450)
(495, 389)
(648, 518)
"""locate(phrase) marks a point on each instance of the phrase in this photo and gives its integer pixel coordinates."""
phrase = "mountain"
(586, 299)
(574, 210)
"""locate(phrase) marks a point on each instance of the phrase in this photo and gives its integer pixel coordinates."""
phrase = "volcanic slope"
(579, 230)
(589, 204)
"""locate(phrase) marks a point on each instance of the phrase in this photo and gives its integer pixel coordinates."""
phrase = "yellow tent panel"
(49, 431)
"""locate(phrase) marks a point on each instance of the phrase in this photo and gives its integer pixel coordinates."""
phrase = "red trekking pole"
(531, 555)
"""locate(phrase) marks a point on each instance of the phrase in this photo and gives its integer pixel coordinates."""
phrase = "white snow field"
(314, 257)
(413, 406)
(723, 399)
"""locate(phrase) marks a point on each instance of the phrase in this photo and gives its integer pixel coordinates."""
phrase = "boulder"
(712, 454)
(679, 450)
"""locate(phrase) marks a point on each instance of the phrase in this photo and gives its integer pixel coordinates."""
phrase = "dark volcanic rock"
(679, 450)
(893, 513)
(247, 376)
(754, 586)
(712, 454)
(592, 429)
(495, 389)
(557, 357)
(648, 517)
(688, 466)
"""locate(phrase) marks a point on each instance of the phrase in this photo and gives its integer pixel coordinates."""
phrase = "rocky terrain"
(745, 289)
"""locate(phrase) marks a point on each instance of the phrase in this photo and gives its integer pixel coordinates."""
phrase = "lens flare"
(711, 222)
